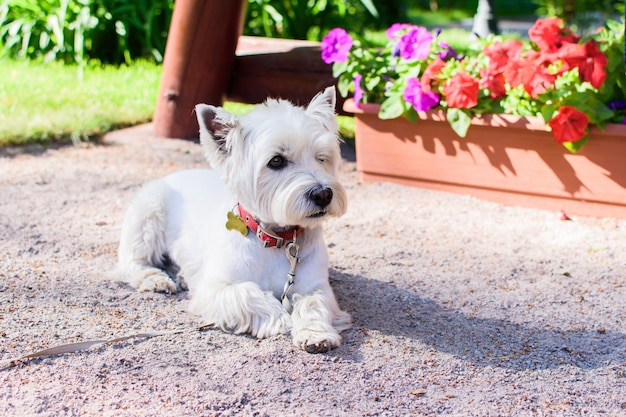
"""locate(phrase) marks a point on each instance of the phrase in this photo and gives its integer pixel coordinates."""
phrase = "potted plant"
(555, 86)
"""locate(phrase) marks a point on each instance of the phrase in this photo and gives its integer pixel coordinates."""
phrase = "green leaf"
(369, 5)
(614, 26)
(574, 147)
(372, 83)
(411, 115)
(343, 85)
(459, 120)
(547, 112)
(339, 68)
(588, 103)
(392, 107)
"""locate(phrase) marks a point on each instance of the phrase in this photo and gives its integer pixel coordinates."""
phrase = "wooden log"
(198, 62)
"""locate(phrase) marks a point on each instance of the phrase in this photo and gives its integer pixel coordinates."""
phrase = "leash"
(276, 239)
(80, 346)
(291, 251)
(243, 221)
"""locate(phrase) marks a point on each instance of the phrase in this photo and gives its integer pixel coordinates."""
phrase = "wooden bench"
(288, 69)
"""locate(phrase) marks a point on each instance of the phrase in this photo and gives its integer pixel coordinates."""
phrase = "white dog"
(249, 246)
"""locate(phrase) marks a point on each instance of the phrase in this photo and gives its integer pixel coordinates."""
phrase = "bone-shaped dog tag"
(235, 223)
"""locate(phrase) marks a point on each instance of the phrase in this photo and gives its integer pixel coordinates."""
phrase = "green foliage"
(580, 14)
(54, 106)
(460, 120)
(74, 31)
(393, 107)
(532, 80)
(119, 31)
(311, 19)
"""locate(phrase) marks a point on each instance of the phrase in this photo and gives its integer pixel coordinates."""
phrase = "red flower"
(431, 74)
(501, 53)
(589, 60)
(594, 69)
(550, 34)
(514, 71)
(532, 72)
(569, 124)
(461, 91)
(494, 83)
(537, 79)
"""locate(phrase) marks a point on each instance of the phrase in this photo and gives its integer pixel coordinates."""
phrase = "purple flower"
(617, 105)
(335, 46)
(417, 97)
(448, 52)
(395, 51)
(358, 91)
(398, 29)
(415, 44)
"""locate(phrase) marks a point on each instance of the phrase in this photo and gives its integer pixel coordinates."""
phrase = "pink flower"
(420, 100)
(448, 52)
(415, 44)
(398, 29)
(358, 91)
(335, 46)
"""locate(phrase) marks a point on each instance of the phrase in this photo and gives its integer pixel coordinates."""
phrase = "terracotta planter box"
(506, 159)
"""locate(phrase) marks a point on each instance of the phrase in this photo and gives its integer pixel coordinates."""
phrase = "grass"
(439, 18)
(48, 102)
(43, 103)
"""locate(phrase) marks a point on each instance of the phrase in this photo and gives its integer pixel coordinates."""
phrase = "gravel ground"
(460, 306)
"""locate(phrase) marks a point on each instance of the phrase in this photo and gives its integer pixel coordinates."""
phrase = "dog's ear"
(215, 124)
(322, 107)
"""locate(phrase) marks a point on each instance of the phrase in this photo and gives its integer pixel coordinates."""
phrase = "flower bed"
(503, 158)
(570, 82)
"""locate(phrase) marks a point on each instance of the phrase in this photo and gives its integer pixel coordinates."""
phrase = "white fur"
(178, 223)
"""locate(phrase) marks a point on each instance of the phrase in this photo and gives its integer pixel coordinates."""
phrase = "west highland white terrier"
(246, 237)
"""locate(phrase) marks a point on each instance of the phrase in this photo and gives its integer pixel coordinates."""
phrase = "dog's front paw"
(266, 326)
(157, 281)
(315, 341)
(320, 347)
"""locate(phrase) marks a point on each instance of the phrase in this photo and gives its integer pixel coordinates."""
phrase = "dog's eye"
(277, 162)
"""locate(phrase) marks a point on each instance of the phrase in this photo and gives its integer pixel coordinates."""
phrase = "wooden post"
(198, 62)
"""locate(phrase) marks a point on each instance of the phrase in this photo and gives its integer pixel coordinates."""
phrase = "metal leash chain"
(291, 251)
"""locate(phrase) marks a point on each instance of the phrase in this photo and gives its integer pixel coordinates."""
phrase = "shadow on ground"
(384, 307)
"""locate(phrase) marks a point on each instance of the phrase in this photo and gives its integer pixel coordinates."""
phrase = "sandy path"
(461, 307)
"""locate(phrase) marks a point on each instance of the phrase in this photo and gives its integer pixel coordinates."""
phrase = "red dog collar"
(269, 239)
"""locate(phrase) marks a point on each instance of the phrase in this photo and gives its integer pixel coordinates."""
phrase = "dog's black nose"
(321, 196)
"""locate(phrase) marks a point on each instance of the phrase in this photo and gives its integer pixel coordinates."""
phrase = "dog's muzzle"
(321, 196)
